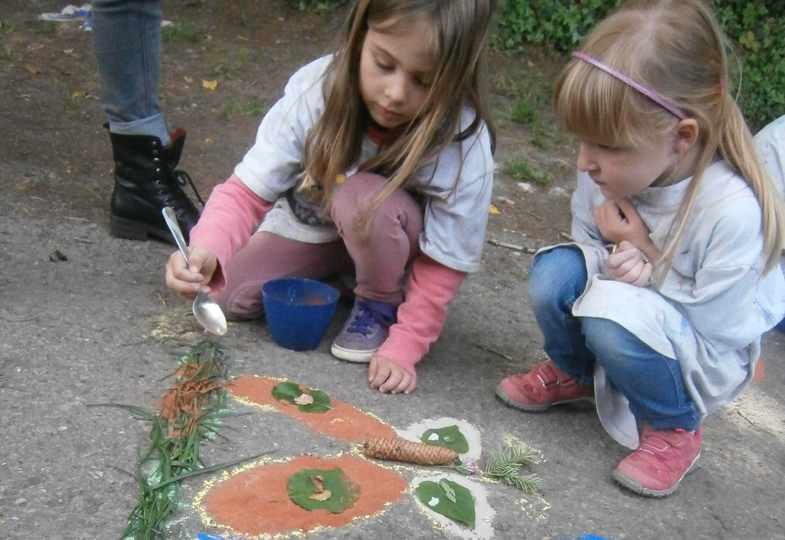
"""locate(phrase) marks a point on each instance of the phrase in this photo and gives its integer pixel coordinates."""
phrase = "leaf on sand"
(448, 436)
(339, 491)
(457, 504)
(291, 393)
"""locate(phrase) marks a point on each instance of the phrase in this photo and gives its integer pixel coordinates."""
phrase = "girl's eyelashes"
(383, 66)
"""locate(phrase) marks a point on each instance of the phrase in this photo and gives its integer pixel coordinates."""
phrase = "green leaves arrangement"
(176, 436)
(310, 401)
(330, 490)
(505, 466)
(449, 437)
(449, 499)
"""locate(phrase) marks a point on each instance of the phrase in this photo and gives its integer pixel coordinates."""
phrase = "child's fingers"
(388, 377)
(394, 378)
(378, 372)
(179, 278)
(644, 275)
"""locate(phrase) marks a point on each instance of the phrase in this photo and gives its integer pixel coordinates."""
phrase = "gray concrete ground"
(87, 330)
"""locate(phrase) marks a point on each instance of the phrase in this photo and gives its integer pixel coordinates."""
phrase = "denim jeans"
(652, 383)
(127, 47)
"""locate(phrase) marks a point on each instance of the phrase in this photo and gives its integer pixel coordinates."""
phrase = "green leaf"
(448, 491)
(343, 492)
(321, 402)
(434, 496)
(449, 437)
(286, 391)
(289, 391)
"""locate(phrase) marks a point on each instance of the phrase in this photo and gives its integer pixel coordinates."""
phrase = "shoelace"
(369, 314)
(183, 178)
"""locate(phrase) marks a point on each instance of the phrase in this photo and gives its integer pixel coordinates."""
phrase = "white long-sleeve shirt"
(714, 304)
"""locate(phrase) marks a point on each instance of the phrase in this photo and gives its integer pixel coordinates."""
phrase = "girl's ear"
(686, 135)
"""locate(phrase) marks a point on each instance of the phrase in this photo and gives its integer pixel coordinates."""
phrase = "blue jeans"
(127, 47)
(651, 382)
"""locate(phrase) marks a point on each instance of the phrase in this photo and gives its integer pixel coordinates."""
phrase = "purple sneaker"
(364, 332)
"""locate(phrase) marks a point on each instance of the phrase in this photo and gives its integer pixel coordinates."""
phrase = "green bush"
(755, 30)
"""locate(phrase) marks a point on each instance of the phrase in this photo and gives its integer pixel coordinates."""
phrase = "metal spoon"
(206, 310)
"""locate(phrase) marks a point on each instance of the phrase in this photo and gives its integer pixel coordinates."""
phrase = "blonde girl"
(376, 162)
(657, 309)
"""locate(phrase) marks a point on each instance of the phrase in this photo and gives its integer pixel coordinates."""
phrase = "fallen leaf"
(323, 496)
(494, 210)
(303, 399)
(32, 69)
(209, 85)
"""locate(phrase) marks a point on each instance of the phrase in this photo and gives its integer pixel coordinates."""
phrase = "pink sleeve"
(230, 217)
(431, 288)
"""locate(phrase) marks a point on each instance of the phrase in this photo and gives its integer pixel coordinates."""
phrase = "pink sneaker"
(659, 463)
(544, 386)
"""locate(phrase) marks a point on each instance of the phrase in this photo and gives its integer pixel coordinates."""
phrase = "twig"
(756, 425)
(513, 247)
(487, 349)
(6, 319)
(565, 235)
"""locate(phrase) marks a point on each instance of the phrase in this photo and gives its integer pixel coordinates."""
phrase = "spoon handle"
(171, 220)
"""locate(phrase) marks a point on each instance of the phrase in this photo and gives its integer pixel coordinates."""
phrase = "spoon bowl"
(206, 310)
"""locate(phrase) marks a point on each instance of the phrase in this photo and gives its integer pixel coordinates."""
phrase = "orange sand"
(343, 422)
(256, 502)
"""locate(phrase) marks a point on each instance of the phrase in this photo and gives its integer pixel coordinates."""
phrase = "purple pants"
(379, 259)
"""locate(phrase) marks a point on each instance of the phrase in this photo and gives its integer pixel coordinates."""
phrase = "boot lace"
(183, 179)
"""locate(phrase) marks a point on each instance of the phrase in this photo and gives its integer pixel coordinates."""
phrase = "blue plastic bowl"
(299, 311)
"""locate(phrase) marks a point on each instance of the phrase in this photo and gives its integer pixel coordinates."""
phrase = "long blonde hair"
(676, 49)
(458, 38)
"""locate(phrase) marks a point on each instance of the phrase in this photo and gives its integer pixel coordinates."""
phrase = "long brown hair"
(458, 38)
(676, 48)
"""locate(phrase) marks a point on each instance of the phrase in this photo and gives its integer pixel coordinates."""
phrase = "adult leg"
(270, 256)
(382, 253)
(126, 42)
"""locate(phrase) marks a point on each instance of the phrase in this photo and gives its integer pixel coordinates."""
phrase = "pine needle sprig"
(506, 464)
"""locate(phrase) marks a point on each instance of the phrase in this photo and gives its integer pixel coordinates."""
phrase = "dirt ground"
(248, 48)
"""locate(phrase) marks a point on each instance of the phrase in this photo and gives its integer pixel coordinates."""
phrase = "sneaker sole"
(630, 483)
(349, 355)
(505, 398)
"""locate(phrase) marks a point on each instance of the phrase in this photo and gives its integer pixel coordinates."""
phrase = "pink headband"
(651, 94)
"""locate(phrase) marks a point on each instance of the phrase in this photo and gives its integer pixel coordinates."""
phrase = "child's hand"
(187, 281)
(389, 377)
(618, 220)
(627, 263)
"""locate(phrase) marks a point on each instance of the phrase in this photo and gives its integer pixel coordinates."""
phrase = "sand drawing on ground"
(253, 501)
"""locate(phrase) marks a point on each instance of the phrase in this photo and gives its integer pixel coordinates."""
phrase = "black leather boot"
(145, 181)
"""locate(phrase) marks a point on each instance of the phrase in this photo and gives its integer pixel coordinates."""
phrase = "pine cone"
(408, 451)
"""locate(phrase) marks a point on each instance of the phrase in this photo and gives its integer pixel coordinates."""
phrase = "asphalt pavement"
(86, 319)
